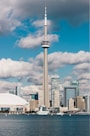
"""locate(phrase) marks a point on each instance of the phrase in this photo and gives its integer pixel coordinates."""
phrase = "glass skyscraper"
(70, 92)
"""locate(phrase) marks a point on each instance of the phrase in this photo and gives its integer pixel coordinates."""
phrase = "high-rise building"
(17, 91)
(70, 92)
(56, 99)
(87, 102)
(34, 96)
(71, 104)
(33, 102)
(80, 103)
(45, 46)
(56, 95)
(76, 84)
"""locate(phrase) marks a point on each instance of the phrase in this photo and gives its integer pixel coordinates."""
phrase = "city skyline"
(21, 34)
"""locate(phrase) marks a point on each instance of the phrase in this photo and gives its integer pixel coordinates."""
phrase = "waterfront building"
(63, 109)
(33, 102)
(71, 105)
(61, 98)
(87, 102)
(45, 46)
(33, 105)
(70, 92)
(56, 96)
(12, 103)
(80, 103)
(56, 99)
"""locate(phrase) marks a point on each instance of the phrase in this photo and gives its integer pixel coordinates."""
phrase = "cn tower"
(45, 46)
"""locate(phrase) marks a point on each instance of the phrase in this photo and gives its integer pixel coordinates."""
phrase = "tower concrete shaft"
(45, 45)
(46, 93)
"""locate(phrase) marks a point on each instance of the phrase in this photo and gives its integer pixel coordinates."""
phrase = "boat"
(69, 114)
(60, 113)
(43, 111)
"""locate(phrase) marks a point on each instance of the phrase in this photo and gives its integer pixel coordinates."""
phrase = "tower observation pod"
(45, 46)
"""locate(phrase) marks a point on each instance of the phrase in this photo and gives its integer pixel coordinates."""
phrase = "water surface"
(35, 125)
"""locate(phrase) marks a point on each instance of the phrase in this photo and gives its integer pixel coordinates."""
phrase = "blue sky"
(21, 33)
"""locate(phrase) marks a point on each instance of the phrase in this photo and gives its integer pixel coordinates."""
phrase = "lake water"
(35, 125)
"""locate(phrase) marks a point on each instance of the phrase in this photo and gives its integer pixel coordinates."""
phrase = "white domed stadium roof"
(11, 99)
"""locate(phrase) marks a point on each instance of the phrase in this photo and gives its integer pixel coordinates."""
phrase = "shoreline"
(65, 114)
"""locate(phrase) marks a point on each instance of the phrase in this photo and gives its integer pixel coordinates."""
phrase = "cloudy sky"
(21, 33)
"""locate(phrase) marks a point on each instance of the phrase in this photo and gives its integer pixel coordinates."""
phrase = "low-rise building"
(80, 103)
(12, 103)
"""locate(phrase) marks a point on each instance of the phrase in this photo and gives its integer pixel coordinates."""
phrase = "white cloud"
(84, 76)
(84, 87)
(12, 14)
(40, 23)
(10, 68)
(32, 71)
(8, 23)
(34, 40)
(14, 11)
(60, 59)
(20, 70)
(68, 78)
(30, 89)
(56, 60)
(83, 66)
(79, 61)
(31, 41)
(6, 86)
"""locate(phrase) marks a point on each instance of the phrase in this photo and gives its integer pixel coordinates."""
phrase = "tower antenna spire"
(45, 24)
(45, 43)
